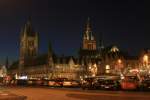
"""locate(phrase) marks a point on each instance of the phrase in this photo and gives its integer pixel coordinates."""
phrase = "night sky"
(125, 23)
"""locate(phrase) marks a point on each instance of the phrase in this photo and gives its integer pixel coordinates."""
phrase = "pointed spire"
(50, 48)
(28, 29)
(88, 23)
(88, 31)
(50, 51)
(22, 32)
(82, 61)
(100, 45)
(29, 20)
(50, 55)
(7, 63)
(63, 59)
(37, 37)
(71, 61)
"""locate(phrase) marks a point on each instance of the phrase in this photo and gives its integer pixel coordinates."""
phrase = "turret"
(50, 55)
(7, 63)
(87, 33)
(89, 42)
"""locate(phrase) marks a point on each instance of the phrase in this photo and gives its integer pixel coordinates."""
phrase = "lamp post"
(145, 60)
(119, 63)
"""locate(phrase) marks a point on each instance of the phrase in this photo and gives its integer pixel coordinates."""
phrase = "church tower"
(89, 46)
(28, 43)
(89, 42)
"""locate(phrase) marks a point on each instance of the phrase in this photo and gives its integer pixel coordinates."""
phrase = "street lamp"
(120, 65)
(145, 59)
(119, 61)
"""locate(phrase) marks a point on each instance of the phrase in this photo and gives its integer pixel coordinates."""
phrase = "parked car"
(51, 83)
(130, 83)
(21, 82)
(145, 84)
(107, 84)
(71, 83)
(31, 82)
(34, 82)
(87, 83)
(59, 82)
(39, 82)
(45, 82)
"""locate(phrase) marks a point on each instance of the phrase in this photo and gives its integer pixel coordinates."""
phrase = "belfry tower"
(28, 43)
(89, 42)
(89, 46)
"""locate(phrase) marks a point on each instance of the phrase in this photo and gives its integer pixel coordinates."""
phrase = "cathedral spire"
(50, 55)
(28, 29)
(7, 63)
(88, 27)
(88, 31)
(49, 48)
(101, 45)
(89, 41)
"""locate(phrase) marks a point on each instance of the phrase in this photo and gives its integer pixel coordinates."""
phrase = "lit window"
(107, 67)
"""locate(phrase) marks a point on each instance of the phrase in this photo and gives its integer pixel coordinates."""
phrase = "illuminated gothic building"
(93, 59)
(47, 65)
